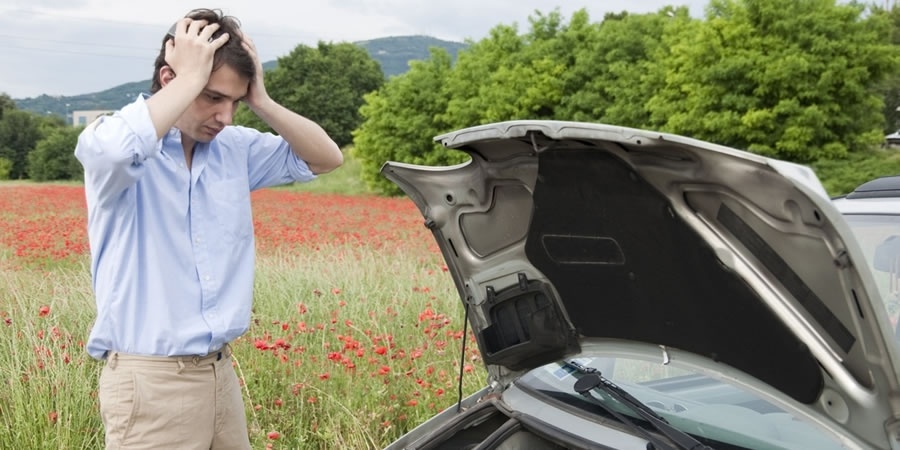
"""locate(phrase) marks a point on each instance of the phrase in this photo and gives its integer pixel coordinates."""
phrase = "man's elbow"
(331, 160)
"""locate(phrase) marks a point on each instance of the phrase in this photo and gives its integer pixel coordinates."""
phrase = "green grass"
(320, 312)
(346, 179)
(343, 180)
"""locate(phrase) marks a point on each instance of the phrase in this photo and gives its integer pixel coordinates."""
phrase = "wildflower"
(44, 311)
(273, 435)
(52, 416)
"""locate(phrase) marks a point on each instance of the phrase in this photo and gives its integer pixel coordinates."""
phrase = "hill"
(392, 53)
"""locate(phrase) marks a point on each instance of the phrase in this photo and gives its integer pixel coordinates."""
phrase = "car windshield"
(879, 237)
(716, 411)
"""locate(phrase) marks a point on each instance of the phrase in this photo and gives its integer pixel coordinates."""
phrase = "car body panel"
(556, 233)
(892, 139)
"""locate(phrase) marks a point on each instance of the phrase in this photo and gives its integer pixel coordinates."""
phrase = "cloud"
(74, 47)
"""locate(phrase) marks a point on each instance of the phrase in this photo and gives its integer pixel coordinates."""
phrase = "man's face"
(214, 108)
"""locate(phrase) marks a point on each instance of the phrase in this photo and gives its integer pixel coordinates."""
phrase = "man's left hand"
(256, 95)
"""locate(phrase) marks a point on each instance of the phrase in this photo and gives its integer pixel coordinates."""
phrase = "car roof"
(878, 196)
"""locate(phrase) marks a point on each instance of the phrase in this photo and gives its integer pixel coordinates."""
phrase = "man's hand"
(256, 95)
(307, 139)
(190, 52)
(189, 60)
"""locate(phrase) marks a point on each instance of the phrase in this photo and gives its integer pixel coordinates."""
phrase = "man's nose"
(225, 114)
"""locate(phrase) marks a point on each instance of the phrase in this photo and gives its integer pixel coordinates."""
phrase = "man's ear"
(166, 74)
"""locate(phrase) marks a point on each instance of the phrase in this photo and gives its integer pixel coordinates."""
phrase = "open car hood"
(556, 232)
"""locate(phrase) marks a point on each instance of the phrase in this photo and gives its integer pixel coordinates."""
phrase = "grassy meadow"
(356, 333)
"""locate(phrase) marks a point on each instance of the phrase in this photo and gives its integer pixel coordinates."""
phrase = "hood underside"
(558, 231)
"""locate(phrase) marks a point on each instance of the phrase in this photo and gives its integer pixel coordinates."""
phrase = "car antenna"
(462, 360)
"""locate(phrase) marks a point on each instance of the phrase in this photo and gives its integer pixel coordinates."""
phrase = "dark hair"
(232, 53)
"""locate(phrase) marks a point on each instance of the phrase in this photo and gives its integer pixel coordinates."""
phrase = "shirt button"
(207, 278)
(197, 240)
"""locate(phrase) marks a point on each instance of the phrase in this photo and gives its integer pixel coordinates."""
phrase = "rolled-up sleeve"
(113, 149)
(271, 160)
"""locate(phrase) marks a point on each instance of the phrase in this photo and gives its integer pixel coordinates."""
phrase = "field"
(356, 335)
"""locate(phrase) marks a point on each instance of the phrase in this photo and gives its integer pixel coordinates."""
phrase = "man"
(167, 181)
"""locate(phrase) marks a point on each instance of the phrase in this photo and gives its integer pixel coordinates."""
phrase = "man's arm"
(189, 55)
(307, 139)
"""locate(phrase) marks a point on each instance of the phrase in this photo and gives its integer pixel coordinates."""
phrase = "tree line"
(810, 81)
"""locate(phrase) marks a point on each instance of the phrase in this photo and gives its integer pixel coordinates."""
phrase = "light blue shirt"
(172, 249)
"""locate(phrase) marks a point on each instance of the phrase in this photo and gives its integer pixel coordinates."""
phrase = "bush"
(54, 156)
(5, 168)
(841, 176)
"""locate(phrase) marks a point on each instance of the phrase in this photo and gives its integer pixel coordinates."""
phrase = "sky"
(73, 47)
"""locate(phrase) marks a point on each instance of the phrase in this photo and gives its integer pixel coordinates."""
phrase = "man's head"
(231, 54)
(233, 70)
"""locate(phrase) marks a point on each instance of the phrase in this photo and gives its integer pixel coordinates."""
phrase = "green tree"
(791, 79)
(54, 156)
(18, 135)
(5, 168)
(325, 84)
(6, 103)
(618, 69)
(400, 120)
(890, 87)
(509, 76)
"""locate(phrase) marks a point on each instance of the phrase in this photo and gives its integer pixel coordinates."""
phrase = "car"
(892, 139)
(632, 289)
(873, 212)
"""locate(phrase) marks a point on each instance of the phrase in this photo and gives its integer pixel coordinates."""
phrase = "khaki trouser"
(178, 402)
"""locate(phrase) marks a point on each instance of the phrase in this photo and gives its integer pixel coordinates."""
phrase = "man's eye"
(213, 98)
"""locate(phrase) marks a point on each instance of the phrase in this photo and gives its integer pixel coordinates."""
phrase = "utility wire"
(75, 52)
(146, 25)
(68, 42)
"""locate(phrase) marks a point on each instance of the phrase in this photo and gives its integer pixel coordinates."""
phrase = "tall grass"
(349, 347)
(345, 179)
(356, 332)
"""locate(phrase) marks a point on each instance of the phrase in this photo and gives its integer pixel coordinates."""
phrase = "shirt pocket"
(231, 206)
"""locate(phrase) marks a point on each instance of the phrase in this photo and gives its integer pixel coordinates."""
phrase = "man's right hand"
(190, 52)
(189, 61)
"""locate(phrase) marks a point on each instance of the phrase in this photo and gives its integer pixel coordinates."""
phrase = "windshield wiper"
(590, 378)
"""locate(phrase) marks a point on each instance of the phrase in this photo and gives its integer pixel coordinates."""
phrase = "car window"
(879, 237)
(695, 403)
